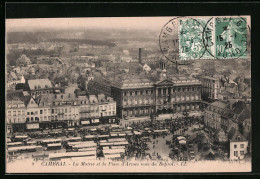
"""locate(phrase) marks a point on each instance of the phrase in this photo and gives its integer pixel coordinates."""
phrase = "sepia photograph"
(128, 94)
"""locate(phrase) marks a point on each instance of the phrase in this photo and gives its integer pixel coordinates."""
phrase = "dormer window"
(46, 86)
(238, 137)
(39, 86)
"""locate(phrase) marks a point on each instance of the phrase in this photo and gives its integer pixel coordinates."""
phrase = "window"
(151, 91)
(52, 111)
(14, 113)
(19, 113)
(242, 152)
(9, 113)
(40, 111)
(236, 153)
(135, 92)
(235, 146)
(241, 146)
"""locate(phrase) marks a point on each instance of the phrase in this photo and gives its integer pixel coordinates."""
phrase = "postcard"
(128, 94)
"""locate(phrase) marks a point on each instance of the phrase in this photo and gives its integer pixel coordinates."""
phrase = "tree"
(81, 81)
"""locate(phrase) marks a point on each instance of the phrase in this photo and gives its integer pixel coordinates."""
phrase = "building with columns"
(177, 94)
(137, 96)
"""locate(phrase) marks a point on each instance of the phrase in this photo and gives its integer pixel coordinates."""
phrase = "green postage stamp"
(212, 37)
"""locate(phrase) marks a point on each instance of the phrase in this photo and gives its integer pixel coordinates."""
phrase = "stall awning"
(89, 136)
(182, 142)
(181, 138)
(54, 145)
(85, 122)
(137, 133)
(95, 120)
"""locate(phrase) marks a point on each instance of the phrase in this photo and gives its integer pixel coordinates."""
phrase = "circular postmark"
(181, 40)
(184, 39)
(226, 37)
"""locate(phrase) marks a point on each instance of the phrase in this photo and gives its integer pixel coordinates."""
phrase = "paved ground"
(160, 146)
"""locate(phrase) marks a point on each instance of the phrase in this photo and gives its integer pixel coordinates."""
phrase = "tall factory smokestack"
(140, 56)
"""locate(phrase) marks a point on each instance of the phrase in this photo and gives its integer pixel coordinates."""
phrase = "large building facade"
(142, 97)
(50, 111)
(210, 87)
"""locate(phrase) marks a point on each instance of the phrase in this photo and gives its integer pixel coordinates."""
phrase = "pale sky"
(153, 23)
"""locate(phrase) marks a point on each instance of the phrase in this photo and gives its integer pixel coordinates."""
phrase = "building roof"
(46, 99)
(235, 136)
(132, 81)
(219, 104)
(15, 103)
(23, 59)
(238, 107)
(39, 84)
(210, 78)
(13, 75)
(93, 99)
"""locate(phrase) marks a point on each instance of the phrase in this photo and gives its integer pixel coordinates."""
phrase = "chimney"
(140, 56)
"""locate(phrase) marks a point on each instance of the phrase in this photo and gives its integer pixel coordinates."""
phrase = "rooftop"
(219, 104)
(39, 84)
(235, 136)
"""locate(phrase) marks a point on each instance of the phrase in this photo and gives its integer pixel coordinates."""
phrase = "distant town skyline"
(141, 23)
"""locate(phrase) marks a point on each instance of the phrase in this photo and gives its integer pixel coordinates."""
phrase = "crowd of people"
(138, 134)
